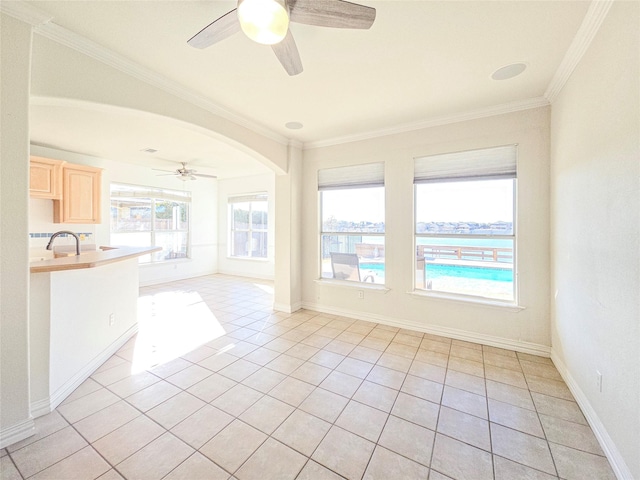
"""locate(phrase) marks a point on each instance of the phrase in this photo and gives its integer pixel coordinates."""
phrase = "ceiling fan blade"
(331, 13)
(218, 30)
(166, 174)
(287, 53)
(160, 170)
(203, 175)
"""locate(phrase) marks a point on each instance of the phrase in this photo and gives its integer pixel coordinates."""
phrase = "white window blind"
(488, 163)
(354, 176)
(130, 191)
(256, 197)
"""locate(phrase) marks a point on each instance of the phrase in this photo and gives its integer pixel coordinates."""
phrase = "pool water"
(439, 271)
(476, 273)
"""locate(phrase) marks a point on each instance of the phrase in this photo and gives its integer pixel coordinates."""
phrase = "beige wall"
(595, 232)
(15, 420)
(288, 285)
(525, 329)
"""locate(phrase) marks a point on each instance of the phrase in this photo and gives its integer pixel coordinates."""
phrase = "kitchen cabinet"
(45, 178)
(81, 189)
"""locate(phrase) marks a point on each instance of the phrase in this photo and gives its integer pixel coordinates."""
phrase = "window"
(248, 216)
(352, 230)
(147, 216)
(465, 223)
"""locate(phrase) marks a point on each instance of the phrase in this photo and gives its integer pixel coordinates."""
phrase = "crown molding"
(43, 25)
(590, 25)
(25, 12)
(435, 122)
(296, 144)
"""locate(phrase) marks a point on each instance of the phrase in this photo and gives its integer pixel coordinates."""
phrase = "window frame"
(513, 236)
(251, 199)
(352, 177)
(155, 195)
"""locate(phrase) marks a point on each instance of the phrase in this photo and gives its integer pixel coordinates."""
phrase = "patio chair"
(346, 266)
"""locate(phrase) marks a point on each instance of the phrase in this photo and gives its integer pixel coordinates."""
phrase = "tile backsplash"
(39, 240)
(83, 236)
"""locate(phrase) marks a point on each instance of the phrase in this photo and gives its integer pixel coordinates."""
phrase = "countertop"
(91, 259)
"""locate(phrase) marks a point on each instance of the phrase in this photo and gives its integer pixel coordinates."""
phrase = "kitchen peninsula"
(83, 308)
(91, 259)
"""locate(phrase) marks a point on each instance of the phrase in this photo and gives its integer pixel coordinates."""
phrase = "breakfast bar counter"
(82, 309)
(91, 259)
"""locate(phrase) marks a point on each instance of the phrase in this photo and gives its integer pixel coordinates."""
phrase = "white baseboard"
(47, 405)
(41, 407)
(490, 340)
(17, 432)
(287, 308)
(618, 464)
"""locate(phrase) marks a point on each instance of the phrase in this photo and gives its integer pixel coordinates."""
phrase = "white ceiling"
(421, 60)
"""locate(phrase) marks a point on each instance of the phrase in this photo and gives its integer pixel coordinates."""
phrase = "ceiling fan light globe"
(264, 21)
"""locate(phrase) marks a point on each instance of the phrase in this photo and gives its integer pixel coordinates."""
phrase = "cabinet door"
(45, 178)
(80, 197)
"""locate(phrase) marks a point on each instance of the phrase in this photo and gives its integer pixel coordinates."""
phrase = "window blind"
(255, 197)
(353, 176)
(488, 163)
(130, 191)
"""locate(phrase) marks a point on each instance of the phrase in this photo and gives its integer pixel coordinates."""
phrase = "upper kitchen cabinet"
(45, 178)
(80, 202)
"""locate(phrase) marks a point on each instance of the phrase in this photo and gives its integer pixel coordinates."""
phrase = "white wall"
(526, 329)
(288, 250)
(257, 268)
(203, 259)
(15, 420)
(71, 334)
(595, 275)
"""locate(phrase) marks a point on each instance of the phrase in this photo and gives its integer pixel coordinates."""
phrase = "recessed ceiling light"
(509, 71)
(149, 150)
(293, 125)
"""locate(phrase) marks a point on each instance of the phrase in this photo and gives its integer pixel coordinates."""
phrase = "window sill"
(355, 285)
(451, 297)
(248, 259)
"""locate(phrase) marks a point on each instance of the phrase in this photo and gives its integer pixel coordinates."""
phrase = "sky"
(354, 205)
(483, 201)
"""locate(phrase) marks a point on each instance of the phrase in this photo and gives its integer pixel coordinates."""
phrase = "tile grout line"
(544, 432)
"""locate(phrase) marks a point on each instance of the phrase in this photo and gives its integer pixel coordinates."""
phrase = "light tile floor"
(217, 386)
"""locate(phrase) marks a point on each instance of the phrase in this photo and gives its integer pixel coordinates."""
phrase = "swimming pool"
(435, 271)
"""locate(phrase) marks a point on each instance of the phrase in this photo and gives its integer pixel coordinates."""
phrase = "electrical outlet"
(360, 293)
(112, 319)
(599, 380)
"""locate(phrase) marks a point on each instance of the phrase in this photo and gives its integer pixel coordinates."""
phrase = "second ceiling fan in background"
(184, 173)
(267, 22)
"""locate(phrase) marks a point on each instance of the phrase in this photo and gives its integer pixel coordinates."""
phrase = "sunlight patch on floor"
(265, 288)
(171, 324)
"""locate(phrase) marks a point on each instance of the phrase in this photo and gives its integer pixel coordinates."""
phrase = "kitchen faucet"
(69, 233)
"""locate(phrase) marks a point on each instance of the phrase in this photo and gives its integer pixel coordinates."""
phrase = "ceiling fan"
(184, 173)
(267, 22)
